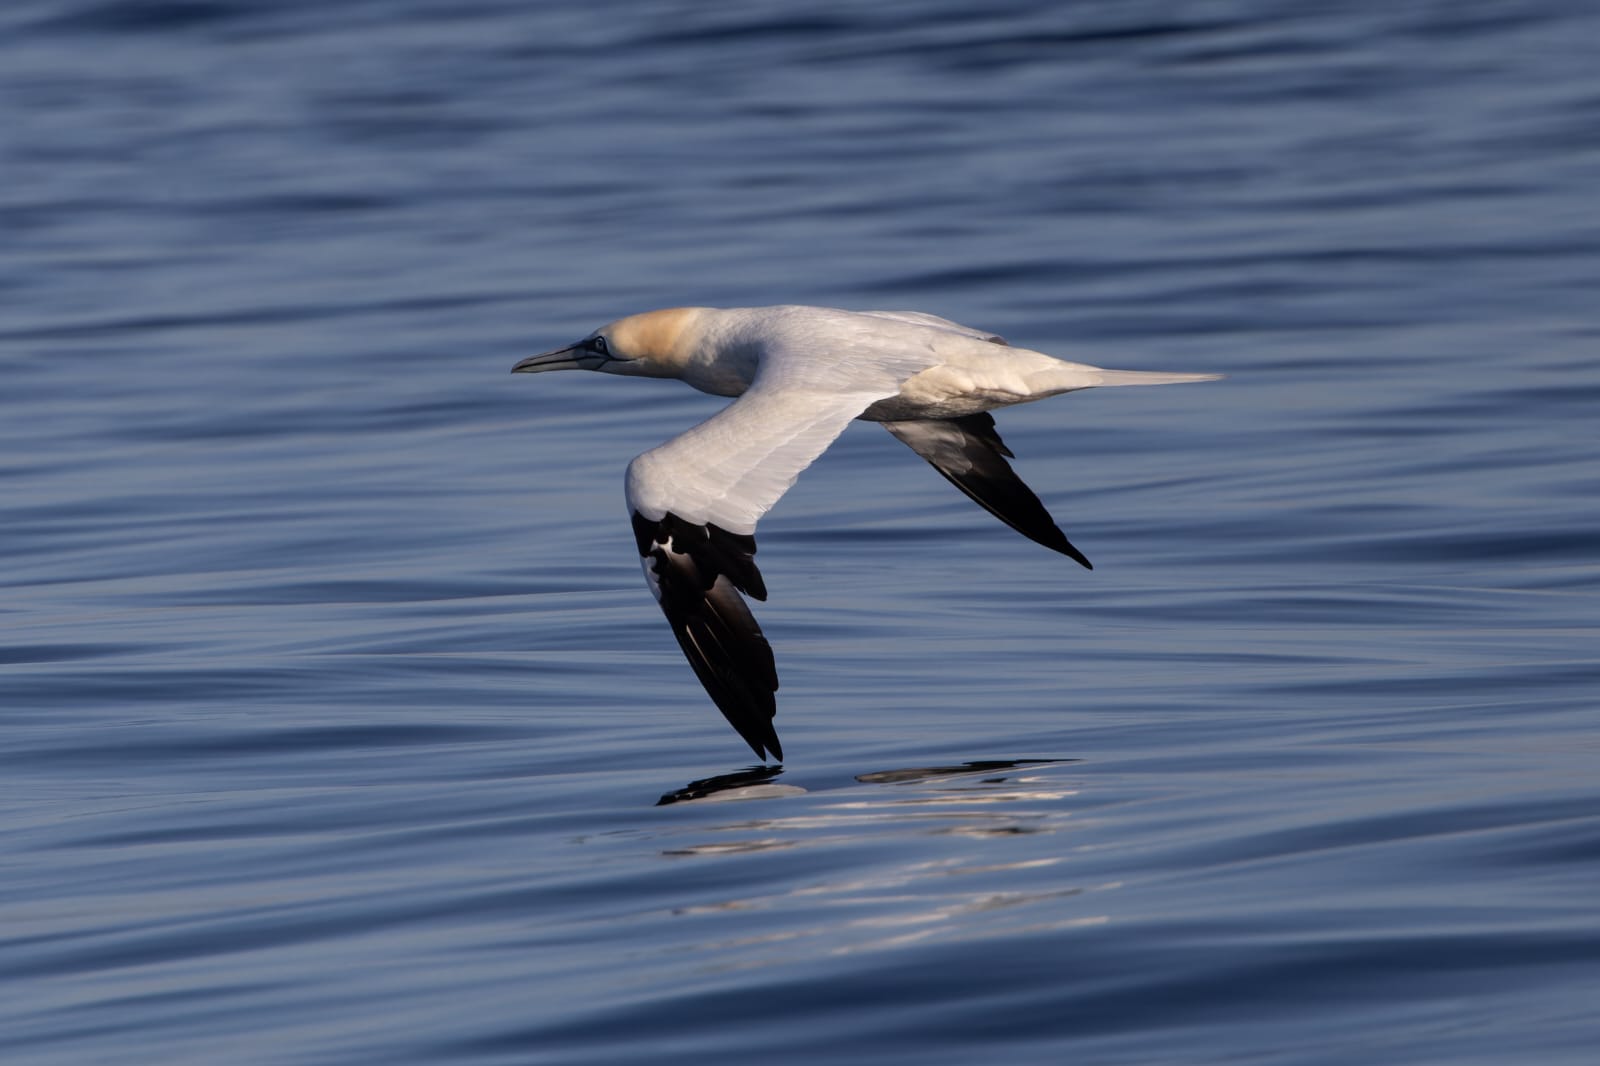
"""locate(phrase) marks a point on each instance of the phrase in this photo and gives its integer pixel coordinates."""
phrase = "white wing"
(730, 469)
(696, 500)
(922, 318)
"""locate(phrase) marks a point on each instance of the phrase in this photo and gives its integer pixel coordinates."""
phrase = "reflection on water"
(903, 896)
(754, 783)
(1026, 802)
(751, 783)
(923, 773)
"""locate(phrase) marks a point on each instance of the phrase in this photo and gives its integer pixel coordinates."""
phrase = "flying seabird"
(801, 374)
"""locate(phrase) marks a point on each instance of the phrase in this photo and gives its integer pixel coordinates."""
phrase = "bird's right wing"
(730, 469)
(968, 451)
(695, 501)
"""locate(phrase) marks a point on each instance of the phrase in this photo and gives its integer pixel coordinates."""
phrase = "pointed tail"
(1142, 377)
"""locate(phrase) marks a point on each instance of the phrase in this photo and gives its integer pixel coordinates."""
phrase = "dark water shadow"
(976, 766)
(756, 782)
(724, 784)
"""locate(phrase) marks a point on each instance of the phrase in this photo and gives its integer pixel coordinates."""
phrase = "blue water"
(336, 716)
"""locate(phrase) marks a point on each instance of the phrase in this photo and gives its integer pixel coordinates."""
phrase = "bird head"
(653, 344)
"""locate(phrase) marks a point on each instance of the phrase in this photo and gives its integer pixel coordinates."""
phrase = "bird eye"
(598, 344)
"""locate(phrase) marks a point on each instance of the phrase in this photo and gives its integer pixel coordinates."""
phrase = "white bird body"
(801, 374)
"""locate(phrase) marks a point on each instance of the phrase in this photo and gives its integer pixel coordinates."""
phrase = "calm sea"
(335, 716)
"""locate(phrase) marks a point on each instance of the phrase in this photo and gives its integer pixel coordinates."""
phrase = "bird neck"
(717, 355)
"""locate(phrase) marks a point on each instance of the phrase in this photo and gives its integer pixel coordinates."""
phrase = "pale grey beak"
(572, 357)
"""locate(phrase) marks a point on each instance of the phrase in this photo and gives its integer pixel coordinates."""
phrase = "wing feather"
(695, 502)
(922, 318)
(697, 573)
(968, 451)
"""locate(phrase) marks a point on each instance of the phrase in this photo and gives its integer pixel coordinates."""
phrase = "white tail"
(1145, 377)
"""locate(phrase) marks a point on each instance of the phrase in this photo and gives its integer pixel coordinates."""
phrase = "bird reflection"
(741, 784)
(929, 773)
(1008, 865)
(756, 782)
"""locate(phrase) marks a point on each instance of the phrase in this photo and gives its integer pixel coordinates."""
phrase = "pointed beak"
(572, 357)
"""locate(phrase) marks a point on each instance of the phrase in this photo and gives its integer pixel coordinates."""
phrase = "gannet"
(801, 374)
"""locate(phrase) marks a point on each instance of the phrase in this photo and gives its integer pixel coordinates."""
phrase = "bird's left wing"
(968, 451)
(695, 502)
(922, 318)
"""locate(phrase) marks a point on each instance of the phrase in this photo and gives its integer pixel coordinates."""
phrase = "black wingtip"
(698, 573)
(1073, 553)
(1049, 534)
(761, 741)
(969, 453)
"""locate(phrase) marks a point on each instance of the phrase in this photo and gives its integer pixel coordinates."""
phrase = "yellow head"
(657, 344)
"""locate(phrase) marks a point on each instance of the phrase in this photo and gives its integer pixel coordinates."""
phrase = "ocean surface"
(337, 725)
